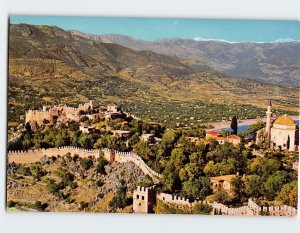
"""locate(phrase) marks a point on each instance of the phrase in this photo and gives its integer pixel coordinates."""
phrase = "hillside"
(276, 63)
(50, 65)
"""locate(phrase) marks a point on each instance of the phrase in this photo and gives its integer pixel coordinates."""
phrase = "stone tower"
(268, 122)
(144, 199)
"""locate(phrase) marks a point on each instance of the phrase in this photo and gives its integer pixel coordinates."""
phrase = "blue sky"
(156, 28)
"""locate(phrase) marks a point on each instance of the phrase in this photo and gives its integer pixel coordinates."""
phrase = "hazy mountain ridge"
(50, 65)
(46, 42)
(276, 63)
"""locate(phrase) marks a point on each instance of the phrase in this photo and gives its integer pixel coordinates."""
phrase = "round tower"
(269, 115)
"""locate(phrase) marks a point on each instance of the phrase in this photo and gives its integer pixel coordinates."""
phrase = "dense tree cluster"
(186, 166)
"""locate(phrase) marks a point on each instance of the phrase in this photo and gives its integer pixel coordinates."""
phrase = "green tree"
(86, 163)
(288, 142)
(101, 163)
(253, 128)
(264, 167)
(142, 148)
(202, 209)
(170, 178)
(170, 137)
(238, 188)
(86, 141)
(37, 172)
(224, 132)
(253, 185)
(190, 170)
(221, 196)
(197, 188)
(289, 194)
(234, 125)
(274, 184)
(178, 158)
(119, 200)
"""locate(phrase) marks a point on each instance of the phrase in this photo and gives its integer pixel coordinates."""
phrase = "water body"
(243, 128)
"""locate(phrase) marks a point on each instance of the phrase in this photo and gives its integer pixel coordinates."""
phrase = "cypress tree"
(234, 125)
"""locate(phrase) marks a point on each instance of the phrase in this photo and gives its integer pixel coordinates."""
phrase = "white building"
(281, 134)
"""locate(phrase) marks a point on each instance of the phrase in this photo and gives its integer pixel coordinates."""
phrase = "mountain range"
(50, 65)
(276, 63)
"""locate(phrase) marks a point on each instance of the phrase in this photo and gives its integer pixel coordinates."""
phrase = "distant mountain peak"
(275, 62)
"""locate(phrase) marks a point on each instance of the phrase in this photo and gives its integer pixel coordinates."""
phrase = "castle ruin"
(57, 112)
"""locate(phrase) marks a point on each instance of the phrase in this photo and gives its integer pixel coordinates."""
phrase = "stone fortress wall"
(32, 156)
(144, 198)
(49, 113)
(218, 208)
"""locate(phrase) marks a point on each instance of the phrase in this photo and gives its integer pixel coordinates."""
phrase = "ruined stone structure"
(50, 114)
(222, 182)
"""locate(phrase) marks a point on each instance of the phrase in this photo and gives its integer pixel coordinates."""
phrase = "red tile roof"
(233, 137)
(215, 133)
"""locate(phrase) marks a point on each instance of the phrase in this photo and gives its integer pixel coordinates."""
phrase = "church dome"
(285, 120)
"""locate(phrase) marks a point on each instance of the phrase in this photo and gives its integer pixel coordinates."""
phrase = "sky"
(151, 29)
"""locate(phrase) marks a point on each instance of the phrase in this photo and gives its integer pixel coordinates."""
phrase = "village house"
(86, 129)
(222, 182)
(113, 112)
(220, 140)
(148, 138)
(113, 108)
(212, 134)
(121, 133)
(234, 139)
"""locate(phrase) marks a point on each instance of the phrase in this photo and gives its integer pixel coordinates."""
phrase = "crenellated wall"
(283, 210)
(32, 156)
(49, 113)
(123, 157)
(176, 200)
(220, 209)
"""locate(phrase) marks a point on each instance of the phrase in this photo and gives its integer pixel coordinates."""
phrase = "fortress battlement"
(50, 113)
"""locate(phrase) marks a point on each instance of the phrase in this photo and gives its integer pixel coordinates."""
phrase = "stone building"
(144, 199)
(121, 133)
(148, 138)
(222, 182)
(86, 129)
(113, 108)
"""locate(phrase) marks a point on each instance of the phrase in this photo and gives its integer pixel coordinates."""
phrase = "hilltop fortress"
(50, 114)
(64, 113)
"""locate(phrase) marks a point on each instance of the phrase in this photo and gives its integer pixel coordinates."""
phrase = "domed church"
(281, 133)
